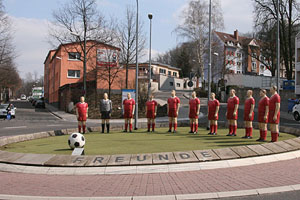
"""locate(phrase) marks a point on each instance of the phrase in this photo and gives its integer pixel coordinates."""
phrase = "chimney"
(236, 34)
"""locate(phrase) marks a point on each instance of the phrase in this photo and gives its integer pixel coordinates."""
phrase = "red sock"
(192, 127)
(175, 126)
(264, 134)
(234, 129)
(196, 127)
(130, 127)
(126, 126)
(215, 128)
(83, 128)
(246, 131)
(79, 128)
(230, 129)
(274, 137)
(261, 134)
(149, 127)
(212, 128)
(153, 126)
(170, 126)
(250, 131)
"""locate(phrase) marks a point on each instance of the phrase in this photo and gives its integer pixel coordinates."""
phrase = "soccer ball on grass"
(76, 140)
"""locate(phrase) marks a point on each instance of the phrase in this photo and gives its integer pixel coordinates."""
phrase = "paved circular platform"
(196, 156)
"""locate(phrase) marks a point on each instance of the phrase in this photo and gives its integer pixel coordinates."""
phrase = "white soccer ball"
(76, 140)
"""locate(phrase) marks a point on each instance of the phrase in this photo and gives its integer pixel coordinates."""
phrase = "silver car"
(3, 110)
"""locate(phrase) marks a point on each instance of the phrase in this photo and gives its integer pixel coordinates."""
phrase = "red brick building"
(64, 66)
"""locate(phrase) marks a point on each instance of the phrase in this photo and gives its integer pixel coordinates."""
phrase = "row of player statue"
(268, 112)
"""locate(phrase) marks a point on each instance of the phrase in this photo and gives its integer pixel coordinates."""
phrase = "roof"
(162, 64)
(49, 53)
(72, 43)
(225, 37)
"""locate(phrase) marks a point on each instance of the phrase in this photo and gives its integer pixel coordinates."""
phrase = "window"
(73, 73)
(162, 71)
(174, 73)
(74, 56)
(171, 83)
(239, 55)
(253, 66)
(178, 84)
(169, 73)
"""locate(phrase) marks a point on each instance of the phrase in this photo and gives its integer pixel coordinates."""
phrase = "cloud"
(145, 57)
(31, 46)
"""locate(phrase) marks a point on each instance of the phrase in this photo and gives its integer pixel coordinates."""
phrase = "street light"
(150, 16)
(278, 47)
(84, 59)
(136, 68)
(209, 59)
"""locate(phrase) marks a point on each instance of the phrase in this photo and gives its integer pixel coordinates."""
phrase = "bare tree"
(9, 76)
(80, 22)
(108, 68)
(127, 39)
(266, 16)
(194, 27)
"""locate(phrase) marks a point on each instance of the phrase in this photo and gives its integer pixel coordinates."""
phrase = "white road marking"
(15, 127)
(54, 125)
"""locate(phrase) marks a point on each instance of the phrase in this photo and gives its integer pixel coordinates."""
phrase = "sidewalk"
(212, 183)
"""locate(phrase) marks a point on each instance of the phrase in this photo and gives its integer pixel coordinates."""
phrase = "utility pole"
(137, 69)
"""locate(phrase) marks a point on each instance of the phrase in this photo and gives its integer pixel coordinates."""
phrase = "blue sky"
(31, 18)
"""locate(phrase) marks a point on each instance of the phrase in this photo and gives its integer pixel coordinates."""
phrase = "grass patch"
(139, 142)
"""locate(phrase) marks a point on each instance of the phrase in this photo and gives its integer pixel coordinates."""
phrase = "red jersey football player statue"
(128, 112)
(263, 112)
(274, 113)
(151, 109)
(194, 113)
(249, 114)
(232, 112)
(173, 109)
(82, 114)
(213, 114)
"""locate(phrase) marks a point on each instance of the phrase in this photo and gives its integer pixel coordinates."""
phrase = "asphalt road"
(31, 120)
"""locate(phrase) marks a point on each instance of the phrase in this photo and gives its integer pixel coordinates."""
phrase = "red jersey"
(272, 107)
(173, 102)
(151, 105)
(82, 108)
(128, 105)
(193, 107)
(248, 104)
(212, 106)
(262, 104)
(273, 100)
(231, 102)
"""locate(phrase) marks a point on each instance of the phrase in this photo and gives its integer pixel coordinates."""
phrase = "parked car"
(3, 110)
(40, 104)
(296, 111)
(23, 97)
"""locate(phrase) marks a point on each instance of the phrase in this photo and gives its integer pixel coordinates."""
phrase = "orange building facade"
(65, 66)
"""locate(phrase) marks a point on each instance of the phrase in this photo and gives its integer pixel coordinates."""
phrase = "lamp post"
(137, 69)
(278, 46)
(84, 60)
(150, 16)
(209, 59)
